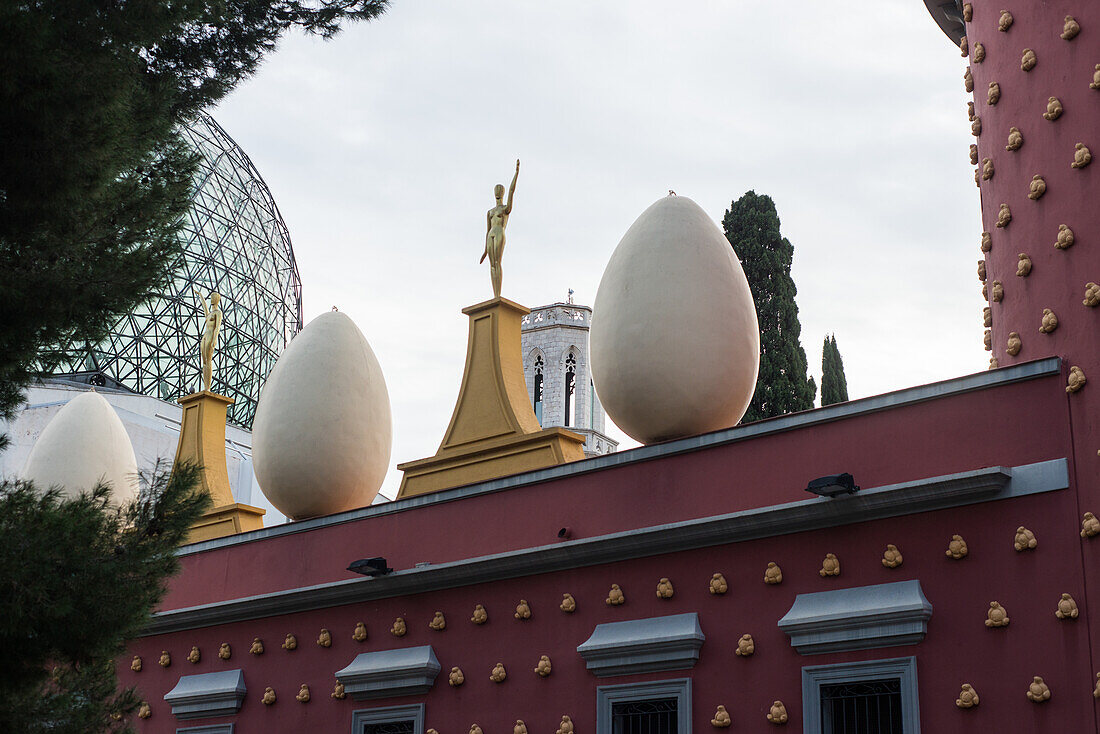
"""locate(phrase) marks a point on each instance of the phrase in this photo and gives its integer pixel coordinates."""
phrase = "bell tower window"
(570, 388)
(537, 396)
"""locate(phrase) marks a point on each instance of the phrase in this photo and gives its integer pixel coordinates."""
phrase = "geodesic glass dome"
(235, 243)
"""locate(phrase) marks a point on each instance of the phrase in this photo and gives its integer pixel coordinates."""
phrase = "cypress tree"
(834, 386)
(751, 225)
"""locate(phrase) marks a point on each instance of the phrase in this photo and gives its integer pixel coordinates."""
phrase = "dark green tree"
(94, 176)
(751, 225)
(79, 578)
(834, 386)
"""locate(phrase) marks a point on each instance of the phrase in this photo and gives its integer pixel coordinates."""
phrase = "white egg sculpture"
(82, 445)
(322, 434)
(675, 343)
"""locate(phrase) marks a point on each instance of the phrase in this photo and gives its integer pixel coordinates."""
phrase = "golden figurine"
(984, 296)
(664, 589)
(973, 153)
(976, 127)
(987, 242)
(996, 616)
(520, 727)
(993, 96)
(1096, 689)
(566, 726)
(993, 363)
(968, 79)
(1067, 608)
(499, 673)
(1092, 295)
(399, 627)
(480, 615)
(964, 47)
(956, 548)
(257, 647)
(830, 566)
(998, 291)
(475, 729)
(543, 667)
(981, 270)
(1038, 691)
(1090, 526)
(718, 585)
(135, 664)
(338, 692)
(1082, 156)
(1015, 139)
(1005, 21)
(979, 53)
(360, 632)
(269, 696)
(977, 178)
(971, 116)
(1036, 188)
(144, 711)
(987, 169)
(1004, 216)
(968, 12)
(225, 651)
(324, 639)
(194, 656)
(303, 694)
(1028, 60)
(891, 557)
(523, 610)
(987, 340)
(1024, 540)
(987, 317)
(1054, 109)
(456, 678)
(568, 603)
(968, 697)
(1023, 265)
(615, 597)
(721, 718)
(291, 642)
(1076, 379)
(438, 623)
(746, 646)
(1065, 237)
(496, 219)
(1014, 344)
(778, 713)
(212, 324)
(1070, 29)
(1095, 78)
(773, 574)
(1050, 322)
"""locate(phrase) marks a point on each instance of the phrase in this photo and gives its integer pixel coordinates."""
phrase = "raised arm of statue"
(512, 190)
(202, 301)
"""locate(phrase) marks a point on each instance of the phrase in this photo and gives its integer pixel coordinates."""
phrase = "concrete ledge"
(406, 671)
(207, 694)
(643, 645)
(883, 615)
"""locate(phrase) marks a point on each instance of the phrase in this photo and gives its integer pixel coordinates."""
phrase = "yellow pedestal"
(202, 441)
(493, 430)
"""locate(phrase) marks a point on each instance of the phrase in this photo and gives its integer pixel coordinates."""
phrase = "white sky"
(382, 147)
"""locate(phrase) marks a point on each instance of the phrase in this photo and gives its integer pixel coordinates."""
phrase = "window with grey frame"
(873, 697)
(661, 707)
(391, 720)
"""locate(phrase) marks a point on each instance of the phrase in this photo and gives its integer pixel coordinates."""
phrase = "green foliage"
(751, 225)
(94, 176)
(834, 386)
(79, 578)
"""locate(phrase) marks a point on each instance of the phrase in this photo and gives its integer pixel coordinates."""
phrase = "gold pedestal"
(493, 430)
(202, 442)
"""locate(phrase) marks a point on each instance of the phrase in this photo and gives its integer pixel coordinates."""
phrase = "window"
(538, 388)
(390, 720)
(876, 697)
(570, 388)
(662, 707)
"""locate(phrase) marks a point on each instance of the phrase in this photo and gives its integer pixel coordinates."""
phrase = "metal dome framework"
(235, 243)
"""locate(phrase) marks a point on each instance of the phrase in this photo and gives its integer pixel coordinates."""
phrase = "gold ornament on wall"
(981, 270)
(438, 623)
(1014, 344)
(1067, 608)
(1015, 139)
(1082, 156)
(968, 79)
(977, 178)
(456, 677)
(1095, 78)
(830, 566)
(475, 729)
(718, 585)
(1054, 109)
(891, 557)
(499, 673)
(987, 340)
(523, 610)
(338, 692)
(993, 363)
(976, 127)
(135, 664)
(998, 291)
(968, 12)
(1090, 526)
(1028, 61)
(1050, 322)
(194, 656)
(773, 574)
(1036, 188)
(303, 694)
(987, 242)
(543, 668)
(144, 711)
(568, 603)
(971, 116)
(721, 718)
(290, 643)
(746, 646)
(480, 615)
(987, 317)
(1005, 21)
(984, 296)
(778, 713)
(996, 616)
(1070, 29)
(399, 627)
(987, 169)
(360, 632)
(1065, 237)
(1076, 379)
(664, 589)
(519, 727)
(225, 651)
(964, 47)
(1092, 295)
(968, 697)
(269, 696)
(1024, 540)
(257, 647)
(973, 152)
(615, 597)
(956, 548)
(1038, 691)
(993, 96)
(1004, 216)
(1023, 265)
(979, 53)
(566, 726)
(324, 639)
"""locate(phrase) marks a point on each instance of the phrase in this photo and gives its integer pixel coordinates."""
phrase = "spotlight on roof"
(370, 567)
(833, 485)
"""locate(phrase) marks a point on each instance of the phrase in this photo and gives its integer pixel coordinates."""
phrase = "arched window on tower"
(538, 388)
(570, 388)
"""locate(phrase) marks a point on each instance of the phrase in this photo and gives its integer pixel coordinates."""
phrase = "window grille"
(862, 707)
(390, 727)
(657, 716)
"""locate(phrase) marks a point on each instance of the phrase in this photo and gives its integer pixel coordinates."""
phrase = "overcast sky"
(382, 147)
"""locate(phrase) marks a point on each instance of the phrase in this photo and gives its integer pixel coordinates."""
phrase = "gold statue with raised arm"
(496, 219)
(212, 315)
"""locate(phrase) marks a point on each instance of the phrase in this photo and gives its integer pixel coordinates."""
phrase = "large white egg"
(83, 444)
(675, 342)
(322, 433)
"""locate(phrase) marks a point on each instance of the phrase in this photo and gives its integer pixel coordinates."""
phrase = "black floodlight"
(833, 485)
(370, 566)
